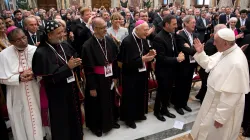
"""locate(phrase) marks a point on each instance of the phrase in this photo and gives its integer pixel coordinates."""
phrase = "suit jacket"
(181, 39)
(17, 25)
(166, 60)
(74, 24)
(82, 34)
(179, 23)
(209, 47)
(202, 29)
(39, 35)
(223, 18)
(156, 22)
(238, 24)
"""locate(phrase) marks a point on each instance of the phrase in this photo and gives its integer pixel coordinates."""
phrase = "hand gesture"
(74, 62)
(71, 36)
(26, 76)
(147, 58)
(181, 57)
(242, 27)
(37, 44)
(198, 46)
(90, 20)
(217, 124)
(186, 45)
(152, 52)
(93, 93)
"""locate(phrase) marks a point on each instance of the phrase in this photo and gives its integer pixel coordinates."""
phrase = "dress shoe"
(179, 110)
(116, 125)
(98, 133)
(168, 114)
(246, 132)
(159, 117)
(131, 124)
(144, 118)
(187, 109)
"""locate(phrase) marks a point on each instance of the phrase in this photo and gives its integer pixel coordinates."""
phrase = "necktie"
(20, 24)
(227, 18)
(34, 38)
(172, 41)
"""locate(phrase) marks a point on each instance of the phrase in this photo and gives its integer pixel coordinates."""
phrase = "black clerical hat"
(51, 26)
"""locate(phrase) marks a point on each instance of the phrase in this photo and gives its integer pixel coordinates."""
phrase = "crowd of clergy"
(62, 70)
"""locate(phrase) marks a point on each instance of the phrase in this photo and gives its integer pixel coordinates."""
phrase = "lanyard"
(141, 51)
(189, 38)
(105, 53)
(64, 59)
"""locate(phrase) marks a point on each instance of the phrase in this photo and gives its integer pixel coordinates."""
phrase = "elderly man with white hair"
(222, 110)
(135, 54)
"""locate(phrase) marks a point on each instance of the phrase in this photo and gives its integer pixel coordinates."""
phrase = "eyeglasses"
(102, 28)
(21, 39)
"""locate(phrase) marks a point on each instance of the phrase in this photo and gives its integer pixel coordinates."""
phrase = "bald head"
(218, 27)
(142, 30)
(100, 27)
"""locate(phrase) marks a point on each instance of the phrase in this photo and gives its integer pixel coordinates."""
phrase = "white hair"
(233, 19)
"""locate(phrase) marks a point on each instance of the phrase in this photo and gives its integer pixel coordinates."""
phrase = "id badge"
(70, 79)
(191, 58)
(143, 68)
(108, 70)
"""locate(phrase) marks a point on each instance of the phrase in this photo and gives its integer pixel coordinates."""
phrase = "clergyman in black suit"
(186, 69)
(210, 49)
(203, 27)
(167, 59)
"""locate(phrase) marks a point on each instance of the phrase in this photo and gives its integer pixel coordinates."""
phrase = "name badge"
(191, 58)
(143, 68)
(108, 70)
(70, 79)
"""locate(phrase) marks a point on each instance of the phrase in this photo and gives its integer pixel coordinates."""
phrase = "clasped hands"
(26, 75)
(74, 62)
(149, 56)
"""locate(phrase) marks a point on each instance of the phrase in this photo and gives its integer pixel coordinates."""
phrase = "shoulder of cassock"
(237, 81)
(9, 60)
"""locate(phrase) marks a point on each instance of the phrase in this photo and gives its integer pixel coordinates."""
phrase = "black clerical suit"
(210, 49)
(246, 117)
(99, 109)
(134, 83)
(63, 96)
(185, 72)
(165, 70)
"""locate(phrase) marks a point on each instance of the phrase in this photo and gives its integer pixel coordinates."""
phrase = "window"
(202, 2)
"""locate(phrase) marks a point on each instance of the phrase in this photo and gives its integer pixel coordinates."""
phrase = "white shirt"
(242, 22)
(34, 41)
(190, 37)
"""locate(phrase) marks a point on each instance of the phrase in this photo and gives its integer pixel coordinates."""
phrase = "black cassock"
(99, 109)
(134, 83)
(63, 98)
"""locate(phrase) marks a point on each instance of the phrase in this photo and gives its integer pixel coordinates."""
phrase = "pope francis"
(221, 112)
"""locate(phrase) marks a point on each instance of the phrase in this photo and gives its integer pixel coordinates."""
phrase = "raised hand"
(198, 46)
(74, 62)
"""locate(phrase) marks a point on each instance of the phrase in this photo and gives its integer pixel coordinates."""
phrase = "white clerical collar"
(20, 49)
(230, 49)
(31, 33)
(135, 34)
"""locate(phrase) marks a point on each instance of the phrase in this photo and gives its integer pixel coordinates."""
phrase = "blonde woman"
(116, 31)
(4, 43)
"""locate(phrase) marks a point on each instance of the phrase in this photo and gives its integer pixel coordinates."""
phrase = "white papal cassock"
(23, 99)
(227, 84)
